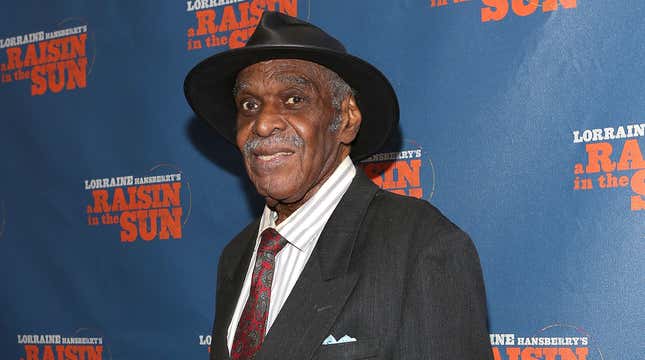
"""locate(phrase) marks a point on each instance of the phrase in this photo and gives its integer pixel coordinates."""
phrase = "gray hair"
(339, 90)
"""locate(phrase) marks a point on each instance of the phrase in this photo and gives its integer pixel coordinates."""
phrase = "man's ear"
(351, 120)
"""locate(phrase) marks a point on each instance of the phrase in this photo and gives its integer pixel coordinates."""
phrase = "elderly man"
(334, 268)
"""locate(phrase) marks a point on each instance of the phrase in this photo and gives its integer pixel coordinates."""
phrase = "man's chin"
(275, 193)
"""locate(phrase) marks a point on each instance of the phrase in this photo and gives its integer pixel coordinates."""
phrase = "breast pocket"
(360, 349)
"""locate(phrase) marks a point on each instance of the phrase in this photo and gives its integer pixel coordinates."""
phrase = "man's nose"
(269, 121)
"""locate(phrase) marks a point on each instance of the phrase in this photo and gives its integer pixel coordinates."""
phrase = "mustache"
(278, 139)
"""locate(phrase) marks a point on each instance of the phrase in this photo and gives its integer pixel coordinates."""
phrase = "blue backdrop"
(522, 120)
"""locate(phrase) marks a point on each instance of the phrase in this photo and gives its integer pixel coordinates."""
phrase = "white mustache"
(254, 143)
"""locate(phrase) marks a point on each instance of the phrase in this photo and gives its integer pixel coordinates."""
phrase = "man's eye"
(293, 100)
(249, 105)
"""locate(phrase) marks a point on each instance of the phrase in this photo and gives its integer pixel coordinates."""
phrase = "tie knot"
(271, 241)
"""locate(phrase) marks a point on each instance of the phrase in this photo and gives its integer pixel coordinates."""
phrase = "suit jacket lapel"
(233, 267)
(325, 283)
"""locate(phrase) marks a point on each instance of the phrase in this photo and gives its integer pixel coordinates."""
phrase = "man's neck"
(284, 210)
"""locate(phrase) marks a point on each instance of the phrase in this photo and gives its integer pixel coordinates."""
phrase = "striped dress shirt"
(301, 229)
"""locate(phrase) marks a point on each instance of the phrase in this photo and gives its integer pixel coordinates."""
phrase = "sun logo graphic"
(406, 172)
(83, 344)
(229, 23)
(154, 206)
(52, 60)
(497, 10)
(613, 160)
(552, 342)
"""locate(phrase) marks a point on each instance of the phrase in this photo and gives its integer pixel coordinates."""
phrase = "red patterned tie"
(252, 325)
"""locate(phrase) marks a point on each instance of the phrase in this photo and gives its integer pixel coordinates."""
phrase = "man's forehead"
(288, 71)
(284, 65)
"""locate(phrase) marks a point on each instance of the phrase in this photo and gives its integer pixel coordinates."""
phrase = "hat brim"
(209, 90)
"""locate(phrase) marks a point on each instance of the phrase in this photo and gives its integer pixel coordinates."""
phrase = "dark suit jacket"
(388, 270)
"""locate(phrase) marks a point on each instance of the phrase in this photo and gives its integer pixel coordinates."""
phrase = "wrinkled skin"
(284, 113)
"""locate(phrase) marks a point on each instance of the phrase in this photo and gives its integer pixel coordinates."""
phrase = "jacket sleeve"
(444, 312)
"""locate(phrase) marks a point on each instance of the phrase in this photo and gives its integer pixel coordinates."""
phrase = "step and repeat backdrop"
(522, 120)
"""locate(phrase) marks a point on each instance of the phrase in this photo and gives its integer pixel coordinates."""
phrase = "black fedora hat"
(209, 85)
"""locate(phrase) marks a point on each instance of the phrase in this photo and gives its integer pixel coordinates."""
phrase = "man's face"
(284, 113)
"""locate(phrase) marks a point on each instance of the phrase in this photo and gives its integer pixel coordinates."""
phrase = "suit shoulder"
(417, 224)
(411, 211)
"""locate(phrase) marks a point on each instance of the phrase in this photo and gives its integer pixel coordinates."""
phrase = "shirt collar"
(302, 225)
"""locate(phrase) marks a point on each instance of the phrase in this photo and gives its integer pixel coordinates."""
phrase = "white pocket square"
(330, 340)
